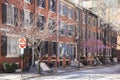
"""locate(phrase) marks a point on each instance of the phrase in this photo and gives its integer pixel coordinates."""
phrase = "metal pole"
(21, 64)
(33, 57)
(22, 52)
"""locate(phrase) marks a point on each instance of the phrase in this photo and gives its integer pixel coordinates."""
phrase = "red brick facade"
(89, 25)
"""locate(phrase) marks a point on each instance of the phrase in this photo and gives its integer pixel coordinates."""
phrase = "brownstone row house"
(77, 33)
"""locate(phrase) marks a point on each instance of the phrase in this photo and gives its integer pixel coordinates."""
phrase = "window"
(13, 49)
(26, 18)
(41, 3)
(83, 33)
(65, 10)
(9, 15)
(62, 29)
(98, 35)
(77, 16)
(71, 13)
(52, 5)
(70, 30)
(60, 49)
(83, 18)
(28, 1)
(61, 9)
(89, 34)
(77, 31)
(41, 22)
(63, 49)
(51, 25)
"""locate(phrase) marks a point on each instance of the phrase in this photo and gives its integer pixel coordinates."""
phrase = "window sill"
(28, 2)
(12, 56)
(52, 11)
(62, 15)
(70, 36)
(41, 31)
(41, 7)
(10, 24)
(62, 35)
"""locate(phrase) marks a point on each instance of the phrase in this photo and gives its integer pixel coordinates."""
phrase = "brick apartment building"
(78, 32)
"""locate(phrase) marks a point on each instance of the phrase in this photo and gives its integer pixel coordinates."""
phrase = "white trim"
(12, 5)
(12, 56)
(12, 46)
(10, 16)
(41, 15)
(27, 1)
(12, 35)
(26, 10)
(6, 3)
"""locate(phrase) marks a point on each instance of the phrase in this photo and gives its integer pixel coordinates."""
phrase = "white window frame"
(54, 6)
(83, 18)
(27, 17)
(49, 29)
(77, 16)
(44, 23)
(61, 9)
(62, 26)
(69, 12)
(12, 39)
(9, 14)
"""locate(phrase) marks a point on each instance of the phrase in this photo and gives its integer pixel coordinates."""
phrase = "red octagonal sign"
(22, 43)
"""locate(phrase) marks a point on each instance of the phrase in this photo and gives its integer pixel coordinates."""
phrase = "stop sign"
(22, 43)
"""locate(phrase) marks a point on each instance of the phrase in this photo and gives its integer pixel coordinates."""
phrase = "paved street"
(90, 73)
(106, 73)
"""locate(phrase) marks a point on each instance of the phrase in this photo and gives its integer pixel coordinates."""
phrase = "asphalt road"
(104, 73)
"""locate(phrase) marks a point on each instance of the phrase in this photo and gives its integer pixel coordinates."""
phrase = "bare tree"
(31, 32)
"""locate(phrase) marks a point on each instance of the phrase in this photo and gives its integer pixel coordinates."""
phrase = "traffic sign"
(22, 43)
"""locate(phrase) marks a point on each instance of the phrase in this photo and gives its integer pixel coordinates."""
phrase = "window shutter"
(31, 18)
(46, 47)
(3, 45)
(26, 50)
(4, 13)
(54, 47)
(22, 16)
(15, 16)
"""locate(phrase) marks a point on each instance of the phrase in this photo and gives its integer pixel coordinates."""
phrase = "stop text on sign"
(22, 43)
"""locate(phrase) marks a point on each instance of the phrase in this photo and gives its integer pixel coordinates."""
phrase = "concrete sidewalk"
(28, 75)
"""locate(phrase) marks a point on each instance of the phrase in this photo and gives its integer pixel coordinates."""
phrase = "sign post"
(22, 45)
